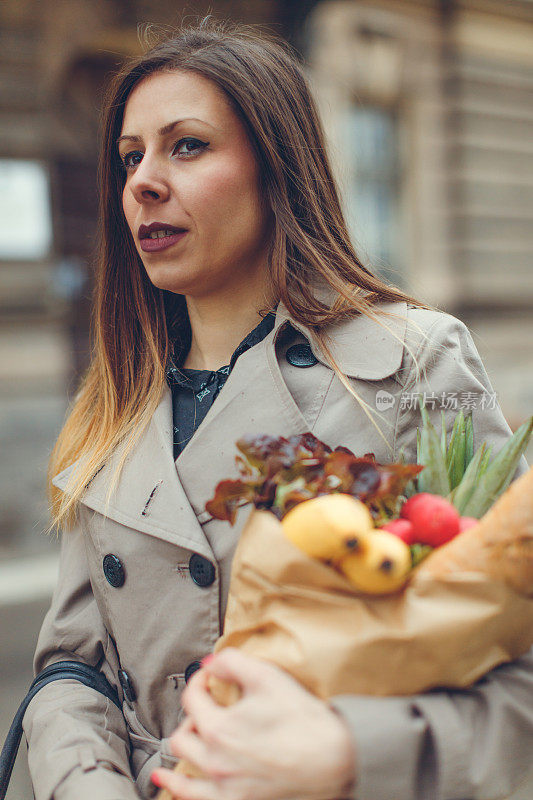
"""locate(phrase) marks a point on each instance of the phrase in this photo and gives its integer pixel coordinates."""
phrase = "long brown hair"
(264, 81)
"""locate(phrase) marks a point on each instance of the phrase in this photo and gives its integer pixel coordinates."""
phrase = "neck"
(219, 325)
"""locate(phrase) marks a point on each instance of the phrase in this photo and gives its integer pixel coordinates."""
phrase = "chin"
(168, 278)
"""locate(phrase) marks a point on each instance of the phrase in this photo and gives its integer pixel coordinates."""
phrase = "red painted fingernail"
(154, 777)
(207, 659)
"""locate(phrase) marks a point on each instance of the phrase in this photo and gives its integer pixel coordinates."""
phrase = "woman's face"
(190, 167)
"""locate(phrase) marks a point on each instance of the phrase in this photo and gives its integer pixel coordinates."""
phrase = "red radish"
(405, 511)
(435, 520)
(401, 528)
(467, 522)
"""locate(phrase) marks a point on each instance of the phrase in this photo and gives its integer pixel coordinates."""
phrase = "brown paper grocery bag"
(447, 628)
(306, 617)
(467, 608)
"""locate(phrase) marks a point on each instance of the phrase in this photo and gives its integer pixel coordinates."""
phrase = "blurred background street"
(428, 108)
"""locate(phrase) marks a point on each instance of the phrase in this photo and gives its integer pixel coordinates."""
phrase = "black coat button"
(127, 686)
(191, 669)
(114, 570)
(202, 571)
(301, 355)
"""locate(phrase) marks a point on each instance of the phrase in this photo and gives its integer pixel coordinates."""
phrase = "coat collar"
(364, 347)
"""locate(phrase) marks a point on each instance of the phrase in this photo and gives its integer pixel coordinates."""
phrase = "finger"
(185, 743)
(196, 699)
(224, 693)
(183, 788)
(250, 673)
(187, 725)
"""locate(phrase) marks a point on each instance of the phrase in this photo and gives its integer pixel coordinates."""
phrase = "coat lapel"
(149, 496)
(253, 400)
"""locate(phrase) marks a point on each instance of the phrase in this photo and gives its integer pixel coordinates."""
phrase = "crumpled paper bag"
(306, 617)
(447, 628)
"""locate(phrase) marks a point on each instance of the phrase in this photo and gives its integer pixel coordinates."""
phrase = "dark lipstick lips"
(146, 230)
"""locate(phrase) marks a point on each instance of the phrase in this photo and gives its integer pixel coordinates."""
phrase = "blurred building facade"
(428, 109)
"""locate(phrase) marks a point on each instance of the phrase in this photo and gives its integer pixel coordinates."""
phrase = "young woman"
(230, 301)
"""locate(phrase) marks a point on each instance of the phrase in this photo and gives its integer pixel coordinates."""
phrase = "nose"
(149, 182)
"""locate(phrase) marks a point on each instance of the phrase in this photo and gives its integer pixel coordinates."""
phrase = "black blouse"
(195, 390)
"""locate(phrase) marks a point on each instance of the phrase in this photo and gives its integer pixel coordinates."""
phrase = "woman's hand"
(277, 741)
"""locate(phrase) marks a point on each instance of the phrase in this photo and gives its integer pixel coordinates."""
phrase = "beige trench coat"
(474, 744)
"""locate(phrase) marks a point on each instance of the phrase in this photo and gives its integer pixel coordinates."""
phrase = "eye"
(193, 147)
(128, 159)
(196, 146)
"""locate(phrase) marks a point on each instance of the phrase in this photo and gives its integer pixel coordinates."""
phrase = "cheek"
(229, 196)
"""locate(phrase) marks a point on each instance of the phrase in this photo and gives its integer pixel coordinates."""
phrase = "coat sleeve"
(78, 746)
(447, 744)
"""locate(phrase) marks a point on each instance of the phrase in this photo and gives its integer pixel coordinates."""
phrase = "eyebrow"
(166, 129)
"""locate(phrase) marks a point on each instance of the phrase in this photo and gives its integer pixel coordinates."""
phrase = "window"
(25, 213)
(372, 188)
